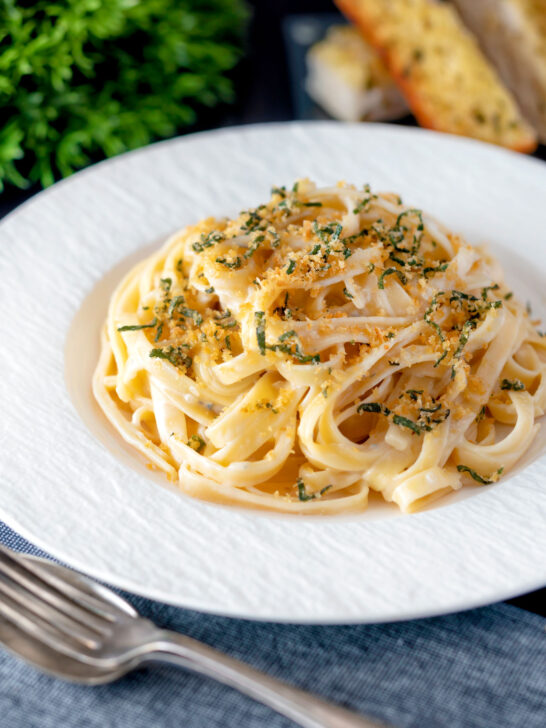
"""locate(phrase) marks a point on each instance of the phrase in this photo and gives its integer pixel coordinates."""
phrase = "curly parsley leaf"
(85, 80)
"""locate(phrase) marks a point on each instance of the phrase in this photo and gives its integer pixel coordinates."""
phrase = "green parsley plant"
(86, 79)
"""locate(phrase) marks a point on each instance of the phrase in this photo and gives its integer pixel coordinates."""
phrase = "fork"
(76, 629)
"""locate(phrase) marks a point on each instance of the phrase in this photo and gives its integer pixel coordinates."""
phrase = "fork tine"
(37, 589)
(57, 620)
(38, 630)
(89, 595)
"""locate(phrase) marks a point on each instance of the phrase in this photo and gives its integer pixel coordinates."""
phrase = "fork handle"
(301, 707)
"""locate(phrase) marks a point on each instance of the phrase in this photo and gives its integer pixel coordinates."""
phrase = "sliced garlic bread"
(513, 35)
(446, 80)
(346, 76)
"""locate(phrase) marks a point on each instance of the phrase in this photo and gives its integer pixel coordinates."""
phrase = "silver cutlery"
(76, 629)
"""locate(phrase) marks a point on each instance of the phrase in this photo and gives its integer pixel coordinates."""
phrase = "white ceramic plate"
(71, 486)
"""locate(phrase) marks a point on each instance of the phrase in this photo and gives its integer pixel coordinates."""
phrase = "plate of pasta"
(288, 372)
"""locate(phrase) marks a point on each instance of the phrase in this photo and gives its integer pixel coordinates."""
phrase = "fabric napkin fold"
(483, 668)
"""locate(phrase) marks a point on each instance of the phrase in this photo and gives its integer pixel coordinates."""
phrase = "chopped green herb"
(414, 211)
(508, 296)
(396, 236)
(362, 204)
(159, 332)
(253, 221)
(174, 304)
(297, 353)
(228, 342)
(207, 241)
(460, 296)
(137, 327)
(316, 249)
(435, 420)
(255, 245)
(230, 264)
(473, 474)
(291, 267)
(394, 363)
(481, 414)
(513, 384)
(371, 267)
(370, 407)
(486, 290)
(304, 496)
(226, 324)
(259, 319)
(330, 233)
(441, 359)
(405, 422)
(267, 405)
(463, 338)
(209, 290)
(347, 294)
(193, 314)
(398, 260)
(175, 355)
(196, 443)
(287, 335)
(431, 270)
(414, 393)
(430, 409)
(165, 284)
(388, 272)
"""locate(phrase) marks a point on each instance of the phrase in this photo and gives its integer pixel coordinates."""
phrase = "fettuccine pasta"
(328, 342)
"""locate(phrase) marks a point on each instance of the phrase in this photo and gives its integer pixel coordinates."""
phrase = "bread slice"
(513, 35)
(447, 81)
(346, 76)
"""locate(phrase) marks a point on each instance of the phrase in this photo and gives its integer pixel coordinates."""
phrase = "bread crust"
(389, 36)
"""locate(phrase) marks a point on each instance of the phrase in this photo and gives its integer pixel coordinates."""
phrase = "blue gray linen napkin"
(482, 668)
